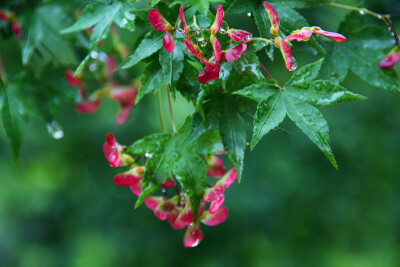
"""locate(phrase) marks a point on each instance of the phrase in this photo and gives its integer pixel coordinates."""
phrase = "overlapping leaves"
(295, 99)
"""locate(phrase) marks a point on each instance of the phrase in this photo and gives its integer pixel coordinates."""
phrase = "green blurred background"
(61, 207)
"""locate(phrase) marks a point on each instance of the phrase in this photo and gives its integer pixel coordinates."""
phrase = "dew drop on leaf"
(224, 28)
(249, 14)
(94, 54)
(362, 12)
(314, 101)
(248, 38)
(179, 27)
(55, 130)
(294, 64)
(318, 87)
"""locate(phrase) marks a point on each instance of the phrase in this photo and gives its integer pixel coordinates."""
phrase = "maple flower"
(218, 21)
(273, 17)
(212, 69)
(129, 178)
(194, 235)
(305, 33)
(162, 25)
(180, 217)
(233, 53)
(215, 166)
(215, 194)
(390, 59)
(114, 152)
(286, 52)
(71, 79)
(126, 96)
(87, 105)
(4, 15)
(240, 35)
(16, 28)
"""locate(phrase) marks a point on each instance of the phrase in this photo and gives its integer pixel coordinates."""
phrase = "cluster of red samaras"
(177, 210)
(124, 95)
(15, 25)
(212, 69)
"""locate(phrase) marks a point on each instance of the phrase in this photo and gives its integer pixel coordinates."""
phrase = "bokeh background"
(61, 207)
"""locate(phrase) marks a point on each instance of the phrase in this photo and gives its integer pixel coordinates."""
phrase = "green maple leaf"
(295, 99)
(361, 53)
(101, 15)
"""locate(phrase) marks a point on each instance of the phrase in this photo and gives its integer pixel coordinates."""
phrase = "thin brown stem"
(384, 17)
(266, 71)
(269, 75)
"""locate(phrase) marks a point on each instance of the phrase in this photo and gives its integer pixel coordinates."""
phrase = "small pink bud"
(336, 36)
(273, 17)
(210, 73)
(193, 236)
(233, 53)
(4, 16)
(168, 184)
(218, 20)
(169, 42)
(16, 28)
(184, 24)
(215, 166)
(286, 52)
(130, 177)
(71, 79)
(112, 150)
(302, 35)
(158, 21)
(137, 188)
(216, 218)
(87, 106)
(390, 59)
(240, 35)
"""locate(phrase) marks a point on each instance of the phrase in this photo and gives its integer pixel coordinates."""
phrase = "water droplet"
(179, 27)
(148, 155)
(248, 38)
(249, 14)
(318, 113)
(380, 17)
(256, 119)
(265, 105)
(55, 130)
(124, 22)
(362, 12)
(94, 54)
(314, 101)
(265, 43)
(250, 94)
(258, 86)
(103, 57)
(318, 87)
(92, 67)
(260, 111)
(294, 64)
(224, 28)
(304, 70)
